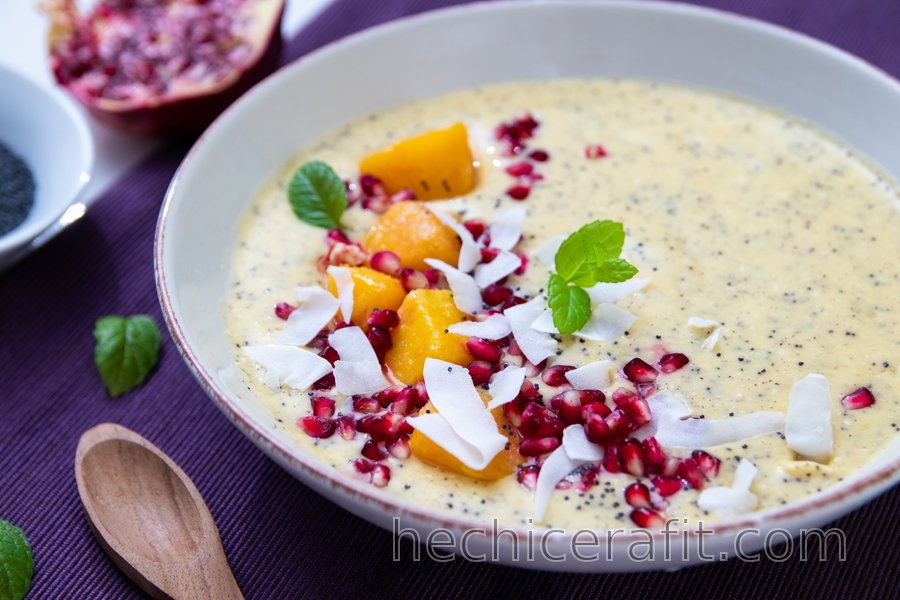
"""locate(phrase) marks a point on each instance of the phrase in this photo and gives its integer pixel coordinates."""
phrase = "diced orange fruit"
(413, 233)
(422, 333)
(436, 164)
(502, 465)
(371, 290)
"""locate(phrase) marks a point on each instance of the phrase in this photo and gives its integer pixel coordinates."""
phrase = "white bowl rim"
(25, 234)
(873, 483)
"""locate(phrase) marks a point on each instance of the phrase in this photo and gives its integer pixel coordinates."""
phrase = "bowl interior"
(457, 49)
(46, 130)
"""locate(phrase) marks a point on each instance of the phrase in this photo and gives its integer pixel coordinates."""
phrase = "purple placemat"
(283, 540)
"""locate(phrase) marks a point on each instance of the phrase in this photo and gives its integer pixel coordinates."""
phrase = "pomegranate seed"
(362, 466)
(514, 301)
(533, 370)
(857, 399)
(382, 427)
(325, 383)
(317, 427)
(386, 262)
(371, 451)
(480, 371)
(514, 349)
(588, 478)
(619, 423)
(330, 354)
(638, 371)
(346, 426)
(631, 457)
(595, 408)
(670, 363)
(523, 263)
(386, 319)
(377, 204)
(476, 227)
(667, 486)
(386, 396)
(432, 275)
(406, 428)
(365, 404)
(594, 151)
(556, 375)
(483, 350)
(346, 254)
(380, 339)
(611, 459)
(691, 473)
(647, 518)
(489, 254)
(645, 390)
(539, 155)
(527, 123)
(654, 457)
(413, 280)
(519, 191)
(494, 294)
(708, 463)
(512, 411)
(529, 392)
(596, 429)
(519, 169)
(283, 310)
(671, 466)
(540, 422)
(381, 475)
(399, 448)
(371, 185)
(323, 407)
(637, 495)
(539, 446)
(592, 397)
(528, 475)
(336, 235)
(422, 392)
(403, 195)
(639, 411)
(620, 395)
(406, 402)
(568, 406)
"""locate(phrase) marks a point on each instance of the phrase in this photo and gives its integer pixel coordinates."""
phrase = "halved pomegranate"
(162, 68)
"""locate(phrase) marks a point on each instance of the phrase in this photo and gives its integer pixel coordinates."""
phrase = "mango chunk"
(422, 333)
(433, 165)
(371, 289)
(412, 232)
(503, 464)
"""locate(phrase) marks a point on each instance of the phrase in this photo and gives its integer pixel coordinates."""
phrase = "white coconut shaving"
(546, 252)
(316, 311)
(535, 345)
(592, 376)
(344, 283)
(610, 293)
(466, 293)
(578, 447)
(463, 426)
(506, 227)
(734, 500)
(505, 386)
(288, 365)
(808, 429)
(358, 370)
(502, 266)
(608, 322)
(469, 252)
(712, 329)
(494, 327)
(557, 466)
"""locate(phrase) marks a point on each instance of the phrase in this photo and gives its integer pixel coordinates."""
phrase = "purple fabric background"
(283, 540)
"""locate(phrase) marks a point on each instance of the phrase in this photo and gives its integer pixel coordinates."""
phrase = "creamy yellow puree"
(735, 212)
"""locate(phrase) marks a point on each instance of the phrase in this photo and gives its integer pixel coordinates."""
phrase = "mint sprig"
(317, 195)
(587, 257)
(127, 350)
(16, 562)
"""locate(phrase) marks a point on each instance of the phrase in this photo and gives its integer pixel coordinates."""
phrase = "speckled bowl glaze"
(666, 42)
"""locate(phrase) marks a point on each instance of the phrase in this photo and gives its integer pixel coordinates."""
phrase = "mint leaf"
(615, 270)
(16, 562)
(317, 195)
(571, 305)
(126, 351)
(581, 255)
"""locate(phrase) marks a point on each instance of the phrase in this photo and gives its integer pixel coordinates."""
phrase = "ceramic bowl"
(461, 48)
(49, 133)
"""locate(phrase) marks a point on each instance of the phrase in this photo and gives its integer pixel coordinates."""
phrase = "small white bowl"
(461, 48)
(44, 128)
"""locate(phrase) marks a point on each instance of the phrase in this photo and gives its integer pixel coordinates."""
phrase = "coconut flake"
(317, 310)
(546, 252)
(608, 322)
(578, 447)
(535, 345)
(475, 439)
(505, 386)
(808, 429)
(288, 365)
(494, 327)
(712, 328)
(610, 293)
(592, 376)
(557, 466)
(701, 323)
(358, 370)
(744, 475)
(469, 252)
(503, 265)
(344, 283)
(466, 293)
(506, 228)
(734, 500)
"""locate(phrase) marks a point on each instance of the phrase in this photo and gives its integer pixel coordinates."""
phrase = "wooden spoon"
(149, 517)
